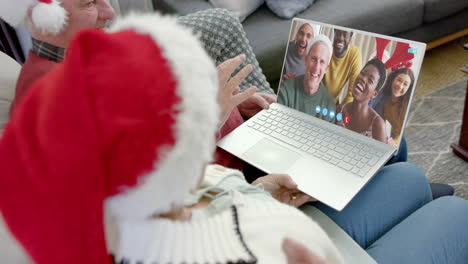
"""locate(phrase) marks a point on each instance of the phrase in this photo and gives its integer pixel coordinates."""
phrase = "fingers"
(296, 253)
(226, 68)
(270, 98)
(240, 76)
(288, 75)
(302, 198)
(285, 181)
(242, 96)
(260, 101)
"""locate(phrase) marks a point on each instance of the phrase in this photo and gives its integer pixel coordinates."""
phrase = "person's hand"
(288, 75)
(284, 189)
(298, 254)
(255, 104)
(229, 95)
(390, 141)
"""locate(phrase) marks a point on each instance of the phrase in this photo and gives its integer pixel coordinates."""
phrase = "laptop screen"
(355, 79)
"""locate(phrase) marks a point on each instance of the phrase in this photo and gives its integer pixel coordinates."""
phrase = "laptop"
(332, 147)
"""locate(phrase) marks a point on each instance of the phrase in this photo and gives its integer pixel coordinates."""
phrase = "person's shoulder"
(293, 82)
(376, 117)
(355, 50)
(34, 68)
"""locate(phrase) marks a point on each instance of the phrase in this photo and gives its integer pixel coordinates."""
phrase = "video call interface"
(362, 82)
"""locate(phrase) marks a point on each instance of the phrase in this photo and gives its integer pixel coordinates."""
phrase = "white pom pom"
(50, 18)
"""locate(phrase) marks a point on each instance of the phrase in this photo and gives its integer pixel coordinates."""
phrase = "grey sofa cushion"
(437, 9)
(124, 7)
(181, 7)
(440, 28)
(268, 34)
(288, 9)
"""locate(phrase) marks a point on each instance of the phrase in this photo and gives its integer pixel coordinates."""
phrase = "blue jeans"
(396, 221)
(402, 154)
(436, 233)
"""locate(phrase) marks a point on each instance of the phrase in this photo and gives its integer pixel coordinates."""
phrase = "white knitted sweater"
(241, 225)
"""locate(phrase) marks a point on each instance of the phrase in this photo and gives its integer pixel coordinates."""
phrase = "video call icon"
(347, 119)
(325, 111)
(339, 116)
(318, 109)
(332, 114)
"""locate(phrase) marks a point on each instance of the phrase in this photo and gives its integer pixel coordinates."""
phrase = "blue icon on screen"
(325, 112)
(339, 116)
(332, 114)
(318, 109)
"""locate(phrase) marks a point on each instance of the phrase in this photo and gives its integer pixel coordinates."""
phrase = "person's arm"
(378, 129)
(356, 67)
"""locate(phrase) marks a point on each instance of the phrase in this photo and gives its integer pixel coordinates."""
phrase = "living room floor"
(441, 66)
(435, 116)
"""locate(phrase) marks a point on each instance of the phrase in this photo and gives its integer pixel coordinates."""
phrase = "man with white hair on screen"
(306, 92)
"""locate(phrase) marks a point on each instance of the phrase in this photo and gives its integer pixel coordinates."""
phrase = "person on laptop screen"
(297, 50)
(345, 65)
(362, 118)
(393, 100)
(307, 93)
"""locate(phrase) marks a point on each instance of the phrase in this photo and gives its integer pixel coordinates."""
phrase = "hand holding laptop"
(298, 136)
(283, 188)
(255, 104)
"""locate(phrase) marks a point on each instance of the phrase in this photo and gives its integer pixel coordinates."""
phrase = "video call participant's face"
(316, 66)
(303, 37)
(365, 84)
(341, 42)
(400, 85)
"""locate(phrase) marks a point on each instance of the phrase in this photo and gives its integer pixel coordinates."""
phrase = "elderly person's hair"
(324, 40)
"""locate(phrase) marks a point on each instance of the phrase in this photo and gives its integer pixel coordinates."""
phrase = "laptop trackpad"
(270, 156)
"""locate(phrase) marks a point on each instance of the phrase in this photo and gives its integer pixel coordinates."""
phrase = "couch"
(8, 75)
(420, 20)
(10, 251)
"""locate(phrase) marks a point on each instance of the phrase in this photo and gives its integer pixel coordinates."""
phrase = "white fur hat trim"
(50, 18)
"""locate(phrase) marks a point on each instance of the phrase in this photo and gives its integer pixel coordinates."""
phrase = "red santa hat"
(126, 122)
(46, 15)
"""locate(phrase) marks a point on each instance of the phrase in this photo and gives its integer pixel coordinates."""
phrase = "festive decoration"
(400, 57)
(111, 127)
(46, 15)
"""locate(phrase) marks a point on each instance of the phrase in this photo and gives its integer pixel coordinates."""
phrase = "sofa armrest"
(8, 76)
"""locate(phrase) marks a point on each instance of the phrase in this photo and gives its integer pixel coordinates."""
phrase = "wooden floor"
(441, 66)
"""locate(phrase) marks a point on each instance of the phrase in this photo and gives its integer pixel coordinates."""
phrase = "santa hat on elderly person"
(46, 15)
(127, 123)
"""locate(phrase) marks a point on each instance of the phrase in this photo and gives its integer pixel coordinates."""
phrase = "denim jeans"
(396, 221)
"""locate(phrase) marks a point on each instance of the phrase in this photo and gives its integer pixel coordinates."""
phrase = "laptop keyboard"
(328, 145)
